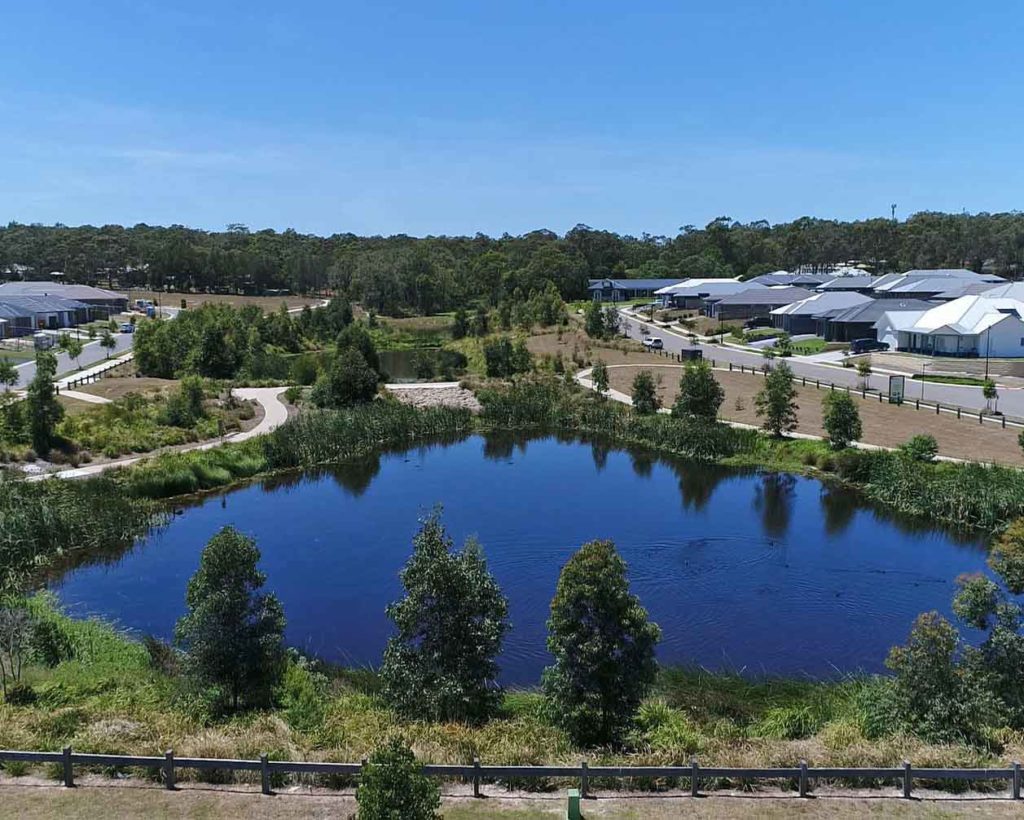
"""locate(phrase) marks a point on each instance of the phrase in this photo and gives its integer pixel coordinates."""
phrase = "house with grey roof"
(858, 322)
(27, 314)
(809, 315)
(753, 302)
(691, 294)
(107, 302)
(622, 290)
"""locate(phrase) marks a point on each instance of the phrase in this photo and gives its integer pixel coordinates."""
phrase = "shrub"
(1007, 556)
(50, 643)
(21, 694)
(392, 786)
(700, 394)
(603, 645)
(776, 401)
(503, 358)
(599, 375)
(349, 380)
(841, 419)
(645, 394)
(450, 625)
(922, 447)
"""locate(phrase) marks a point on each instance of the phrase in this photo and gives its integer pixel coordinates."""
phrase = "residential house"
(858, 322)
(691, 293)
(980, 325)
(754, 302)
(622, 290)
(104, 302)
(809, 315)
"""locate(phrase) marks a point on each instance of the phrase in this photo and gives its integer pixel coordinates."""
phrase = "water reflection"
(838, 507)
(773, 499)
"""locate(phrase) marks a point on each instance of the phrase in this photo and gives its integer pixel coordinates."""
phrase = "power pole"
(892, 209)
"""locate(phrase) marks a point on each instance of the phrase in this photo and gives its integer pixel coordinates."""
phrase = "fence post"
(169, 769)
(980, 419)
(476, 777)
(69, 773)
(730, 367)
(803, 381)
(938, 407)
(803, 778)
(958, 414)
(584, 779)
(264, 775)
(863, 392)
(817, 383)
(906, 779)
(694, 780)
(1016, 780)
(917, 404)
(1003, 420)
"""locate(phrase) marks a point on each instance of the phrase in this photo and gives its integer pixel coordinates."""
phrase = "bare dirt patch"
(578, 350)
(117, 387)
(267, 303)
(884, 424)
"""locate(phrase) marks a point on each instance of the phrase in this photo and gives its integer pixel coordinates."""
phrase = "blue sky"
(458, 117)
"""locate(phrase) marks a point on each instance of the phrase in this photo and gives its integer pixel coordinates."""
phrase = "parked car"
(43, 341)
(653, 343)
(867, 345)
(127, 327)
(756, 322)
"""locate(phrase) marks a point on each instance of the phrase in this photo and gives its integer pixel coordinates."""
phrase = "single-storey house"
(858, 322)
(27, 314)
(753, 302)
(927, 284)
(890, 323)
(979, 325)
(854, 284)
(622, 290)
(691, 293)
(105, 302)
(809, 315)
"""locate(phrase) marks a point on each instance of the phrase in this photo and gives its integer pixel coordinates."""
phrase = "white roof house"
(980, 325)
(694, 287)
(891, 322)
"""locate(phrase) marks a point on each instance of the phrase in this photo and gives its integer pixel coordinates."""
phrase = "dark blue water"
(743, 571)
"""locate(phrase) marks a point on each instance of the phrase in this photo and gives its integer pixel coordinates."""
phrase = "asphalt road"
(92, 353)
(1011, 400)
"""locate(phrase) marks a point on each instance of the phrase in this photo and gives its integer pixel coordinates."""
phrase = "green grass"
(970, 381)
(809, 347)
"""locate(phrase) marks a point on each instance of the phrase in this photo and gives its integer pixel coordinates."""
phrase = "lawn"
(970, 381)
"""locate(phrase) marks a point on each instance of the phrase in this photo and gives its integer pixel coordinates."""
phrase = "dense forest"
(403, 274)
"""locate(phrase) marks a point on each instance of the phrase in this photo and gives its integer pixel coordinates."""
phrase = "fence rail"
(803, 774)
(95, 375)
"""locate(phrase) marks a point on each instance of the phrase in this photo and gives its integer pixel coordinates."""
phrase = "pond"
(744, 571)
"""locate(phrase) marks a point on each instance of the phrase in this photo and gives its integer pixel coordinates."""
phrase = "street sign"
(896, 387)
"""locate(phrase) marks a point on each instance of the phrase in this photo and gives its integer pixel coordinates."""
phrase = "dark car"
(756, 322)
(867, 345)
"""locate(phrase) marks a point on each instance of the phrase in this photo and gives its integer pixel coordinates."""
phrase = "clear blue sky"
(458, 117)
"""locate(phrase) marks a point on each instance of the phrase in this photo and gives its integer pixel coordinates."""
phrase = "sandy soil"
(268, 303)
(116, 387)
(96, 796)
(884, 424)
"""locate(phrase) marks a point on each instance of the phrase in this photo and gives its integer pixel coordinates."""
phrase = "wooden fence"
(95, 375)
(802, 775)
(864, 392)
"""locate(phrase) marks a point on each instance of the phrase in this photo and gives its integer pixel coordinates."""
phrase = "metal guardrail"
(803, 774)
(952, 409)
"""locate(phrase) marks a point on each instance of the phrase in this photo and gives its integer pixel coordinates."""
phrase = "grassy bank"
(111, 695)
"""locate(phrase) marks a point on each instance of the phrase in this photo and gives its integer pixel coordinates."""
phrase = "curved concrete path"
(275, 413)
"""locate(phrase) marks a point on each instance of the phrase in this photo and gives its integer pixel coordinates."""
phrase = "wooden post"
(817, 383)
(169, 770)
(476, 777)
(917, 404)
(981, 419)
(803, 778)
(584, 779)
(730, 367)
(906, 779)
(1015, 784)
(69, 772)
(958, 414)
(694, 780)
(1003, 420)
(264, 775)
(938, 407)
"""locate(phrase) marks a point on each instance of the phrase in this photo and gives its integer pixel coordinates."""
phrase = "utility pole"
(892, 209)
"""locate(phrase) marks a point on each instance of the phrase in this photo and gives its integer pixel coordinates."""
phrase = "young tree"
(71, 345)
(922, 447)
(593, 320)
(603, 644)
(450, 626)
(108, 342)
(480, 324)
(645, 394)
(8, 374)
(988, 390)
(460, 324)
(700, 394)
(841, 419)
(503, 357)
(45, 412)
(784, 344)
(864, 373)
(15, 635)
(356, 336)
(392, 786)
(233, 633)
(599, 375)
(185, 405)
(349, 380)
(776, 401)
(611, 321)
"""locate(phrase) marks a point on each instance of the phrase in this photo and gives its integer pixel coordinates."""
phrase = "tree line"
(403, 274)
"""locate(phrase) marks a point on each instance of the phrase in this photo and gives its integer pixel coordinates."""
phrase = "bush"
(349, 380)
(700, 394)
(603, 645)
(392, 787)
(503, 358)
(21, 694)
(645, 394)
(841, 419)
(50, 643)
(1007, 557)
(922, 447)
